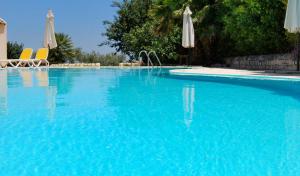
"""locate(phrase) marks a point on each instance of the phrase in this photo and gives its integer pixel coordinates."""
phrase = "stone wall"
(264, 62)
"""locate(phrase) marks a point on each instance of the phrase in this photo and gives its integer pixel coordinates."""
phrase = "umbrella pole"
(298, 51)
(190, 56)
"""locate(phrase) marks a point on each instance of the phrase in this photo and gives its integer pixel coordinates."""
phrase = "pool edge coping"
(179, 72)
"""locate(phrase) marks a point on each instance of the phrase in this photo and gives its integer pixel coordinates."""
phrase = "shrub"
(14, 50)
(94, 57)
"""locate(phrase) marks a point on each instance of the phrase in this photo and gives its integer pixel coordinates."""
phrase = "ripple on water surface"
(146, 122)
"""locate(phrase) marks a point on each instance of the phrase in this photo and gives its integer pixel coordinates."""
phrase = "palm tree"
(64, 52)
(169, 13)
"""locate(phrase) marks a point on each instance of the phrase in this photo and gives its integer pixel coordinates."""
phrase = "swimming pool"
(146, 122)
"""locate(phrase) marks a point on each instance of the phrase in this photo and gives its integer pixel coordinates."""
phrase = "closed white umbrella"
(49, 38)
(292, 21)
(188, 34)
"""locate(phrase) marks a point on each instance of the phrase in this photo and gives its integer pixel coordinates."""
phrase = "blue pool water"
(89, 122)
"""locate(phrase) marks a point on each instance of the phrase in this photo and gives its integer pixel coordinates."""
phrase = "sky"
(81, 19)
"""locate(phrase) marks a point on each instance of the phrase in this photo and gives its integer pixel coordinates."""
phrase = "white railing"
(154, 53)
(149, 61)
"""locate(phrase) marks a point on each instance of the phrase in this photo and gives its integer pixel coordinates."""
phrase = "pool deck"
(226, 72)
(200, 71)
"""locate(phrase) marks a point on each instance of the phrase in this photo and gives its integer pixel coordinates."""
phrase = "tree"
(14, 50)
(207, 24)
(130, 14)
(145, 38)
(64, 52)
(133, 30)
(255, 27)
(168, 14)
(222, 28)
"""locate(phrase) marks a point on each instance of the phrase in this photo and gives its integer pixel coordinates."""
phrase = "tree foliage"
(130, 14)
(222, 28)
(94, 57)
(64, 52)
(144, 38)
(255, 26)
(14, 50)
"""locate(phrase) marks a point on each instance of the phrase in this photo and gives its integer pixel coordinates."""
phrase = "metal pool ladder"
(149, 61)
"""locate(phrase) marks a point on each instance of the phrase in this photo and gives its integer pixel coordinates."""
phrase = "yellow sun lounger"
(25, 59)
(41, 57)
